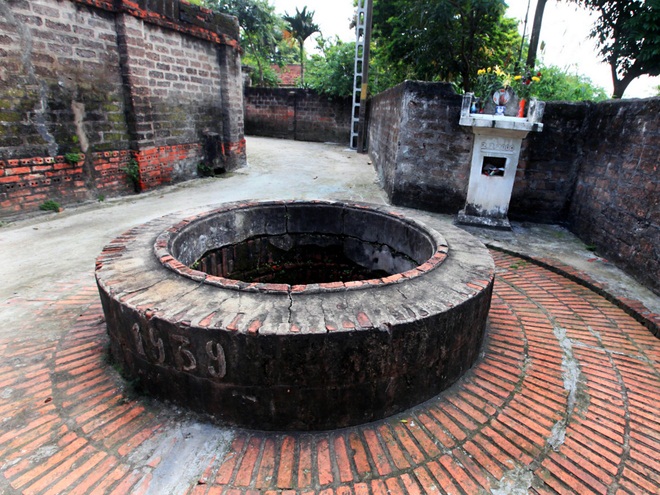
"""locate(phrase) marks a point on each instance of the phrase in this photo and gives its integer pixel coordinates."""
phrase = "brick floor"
(564, 400)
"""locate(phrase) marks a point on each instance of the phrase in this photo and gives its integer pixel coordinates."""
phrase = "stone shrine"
(495, 154)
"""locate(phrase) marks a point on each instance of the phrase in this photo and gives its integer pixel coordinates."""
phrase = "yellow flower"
(481, 72)
(536, 79)
(517, 78)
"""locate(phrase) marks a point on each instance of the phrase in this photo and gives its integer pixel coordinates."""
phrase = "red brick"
(359, 454)
(246, 468)
(447, 423)
(230, 461)
(377, 454)
(305, 470)
(342, 459)
(285, 471)
(459, 474)
(92, 478)
(34, 474)
(403, 435)
(324, 463)
(393, 448)
(266, 471)
(443, 478)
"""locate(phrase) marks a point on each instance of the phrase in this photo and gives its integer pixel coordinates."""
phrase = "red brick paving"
(564, 400)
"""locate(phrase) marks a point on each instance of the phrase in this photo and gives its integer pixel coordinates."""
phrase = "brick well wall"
(299, 114)
(155, 81)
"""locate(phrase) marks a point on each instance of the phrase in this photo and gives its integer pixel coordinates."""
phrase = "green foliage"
(72, 158)
(560, 85)
(628, 35)
(547, 83)
(261, 30)
(490, 79)
(332, 73)
(267, 78)
(50, 205)
(301, 26)
(445, 40)
(132, 171)
(204, 170)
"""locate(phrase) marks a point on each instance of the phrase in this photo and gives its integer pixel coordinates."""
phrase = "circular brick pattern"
(276, 356)
(514, 423)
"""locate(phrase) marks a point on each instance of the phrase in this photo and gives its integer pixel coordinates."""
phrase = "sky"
(565, 33)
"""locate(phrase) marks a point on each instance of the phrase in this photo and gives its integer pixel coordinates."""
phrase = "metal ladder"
(361, 74)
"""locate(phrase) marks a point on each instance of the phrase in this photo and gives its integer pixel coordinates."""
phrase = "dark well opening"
(299, 260)
(302, 244)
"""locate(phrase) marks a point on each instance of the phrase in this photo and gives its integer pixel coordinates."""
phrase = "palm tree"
(301, 27)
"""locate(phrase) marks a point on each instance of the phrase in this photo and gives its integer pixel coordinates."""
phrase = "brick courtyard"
(564, 400)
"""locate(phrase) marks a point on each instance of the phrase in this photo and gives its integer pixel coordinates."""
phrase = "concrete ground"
(564, 399)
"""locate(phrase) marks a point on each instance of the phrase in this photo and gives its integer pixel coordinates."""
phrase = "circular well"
(275, 355)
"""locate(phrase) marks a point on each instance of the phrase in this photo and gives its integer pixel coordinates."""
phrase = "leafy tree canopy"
(628, 35)
(261, 33)
(557, 84)
(444, 39)
(332, 72)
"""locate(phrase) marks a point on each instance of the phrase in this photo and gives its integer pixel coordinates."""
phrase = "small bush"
(204, 170)
(72, 158)
(132, 171)
(50, 205)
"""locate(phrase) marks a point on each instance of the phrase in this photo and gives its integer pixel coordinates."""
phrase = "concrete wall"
(153, 81)
(298, 114)
(594, 167)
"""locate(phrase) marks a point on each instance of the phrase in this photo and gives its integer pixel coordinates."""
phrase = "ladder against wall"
(361, 74)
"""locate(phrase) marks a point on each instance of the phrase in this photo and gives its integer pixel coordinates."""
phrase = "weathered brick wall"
(594, 167)
(270, 112)
(60, 84)
(616, 203)
(425, 162)
(547, 170)
(297, 114)
(384, 117)
(154, 81)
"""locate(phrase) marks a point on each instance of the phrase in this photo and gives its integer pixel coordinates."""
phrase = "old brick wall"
(157, 82)
(548, 168)
(420, 152)
(594, 167)
(298, 114)
(384, 114)
(616, 203)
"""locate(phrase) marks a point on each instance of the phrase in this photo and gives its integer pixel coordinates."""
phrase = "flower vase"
(521, 107)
